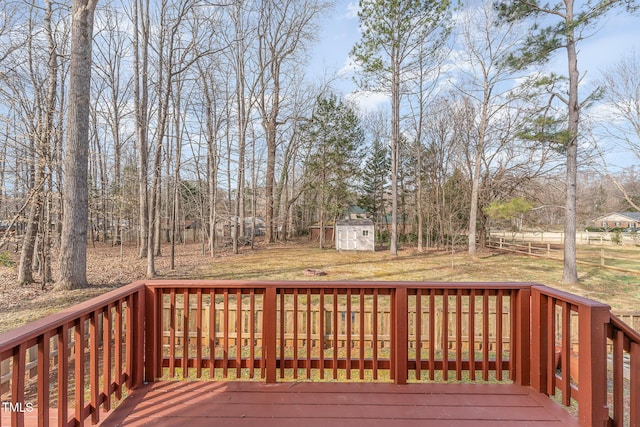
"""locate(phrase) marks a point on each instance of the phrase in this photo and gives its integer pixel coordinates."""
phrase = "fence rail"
(551, 251)
(283, 331)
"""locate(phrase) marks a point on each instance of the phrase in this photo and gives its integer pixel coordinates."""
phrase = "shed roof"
(359, 222)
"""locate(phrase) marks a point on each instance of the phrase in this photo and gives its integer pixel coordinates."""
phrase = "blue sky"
(618, 34)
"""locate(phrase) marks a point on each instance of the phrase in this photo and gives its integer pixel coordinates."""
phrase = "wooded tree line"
(201, 116)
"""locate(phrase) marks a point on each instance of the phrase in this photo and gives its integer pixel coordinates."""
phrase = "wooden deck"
(282, 337)
(205, 403)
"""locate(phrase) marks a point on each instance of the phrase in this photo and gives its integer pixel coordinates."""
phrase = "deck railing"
(89, 355)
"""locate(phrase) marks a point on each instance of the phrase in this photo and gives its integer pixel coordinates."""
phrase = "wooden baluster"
(459, 334)
(472, 335)
(199, 327)
(361, 318)
(43, 379)
(375, 334)
(445, 335)
(418, 332)
(79, 370)
(106, 357)
(348, 333)
(94, 373)
(295, 334)
(309, 326)
(269, 328)
(283, 339)
(212, 333)
(485, 335)
(335, 334)
(499, 310)
(185, 333)
(550, 368)
(321, 324)
(566, 353)
(432, 334)
(18, 383)
(225, 335)
(252, 332)
(63, 374)
(239, 333)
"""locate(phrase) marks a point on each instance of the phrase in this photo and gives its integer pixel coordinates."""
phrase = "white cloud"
(352, 10)
(368, 101)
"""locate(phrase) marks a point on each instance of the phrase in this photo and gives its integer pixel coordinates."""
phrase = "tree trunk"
(141, 99)
(395, 151)
(73, 248)
(570, 273)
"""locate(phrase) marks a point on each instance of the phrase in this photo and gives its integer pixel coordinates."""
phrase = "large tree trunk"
(395, 151)
(141, 97)
(570, 273)
(73, 248)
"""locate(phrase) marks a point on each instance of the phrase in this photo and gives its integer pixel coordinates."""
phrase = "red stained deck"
(204, 403)
(76, 366)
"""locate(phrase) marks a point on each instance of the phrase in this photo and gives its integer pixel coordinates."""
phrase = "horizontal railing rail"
(89, 355)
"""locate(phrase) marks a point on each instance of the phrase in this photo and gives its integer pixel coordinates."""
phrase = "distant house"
(618, 220)
(356, 212)
(355, 235)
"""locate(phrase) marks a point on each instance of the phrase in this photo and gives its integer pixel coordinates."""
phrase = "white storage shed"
(355, 235)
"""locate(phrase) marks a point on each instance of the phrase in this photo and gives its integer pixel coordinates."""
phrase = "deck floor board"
(196, 404)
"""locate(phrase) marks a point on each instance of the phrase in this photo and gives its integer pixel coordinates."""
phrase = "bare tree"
(621, 83)
(283, 28)
(486, 41)
(73, 249)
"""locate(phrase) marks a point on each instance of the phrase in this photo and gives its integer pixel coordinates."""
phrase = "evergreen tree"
(565, 26)
(334, 139)
(393, 32)
(375, 182)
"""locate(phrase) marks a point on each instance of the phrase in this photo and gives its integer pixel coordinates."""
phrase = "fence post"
(269, 326)
(592, 365)
(602, 257)
(548, 250)
(401, 334)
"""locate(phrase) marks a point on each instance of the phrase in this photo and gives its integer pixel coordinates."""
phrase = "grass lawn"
(620, 290)
(19, 305)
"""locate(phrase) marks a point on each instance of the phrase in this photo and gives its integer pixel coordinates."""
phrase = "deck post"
(539, 342)
(138, 337)
(523, 337)
(401, 333)
(152, 336)
(269, 326)
(592, 365)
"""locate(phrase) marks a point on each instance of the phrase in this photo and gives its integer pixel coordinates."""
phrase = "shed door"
(352, 238)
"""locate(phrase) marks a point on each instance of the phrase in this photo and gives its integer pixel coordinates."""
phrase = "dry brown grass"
(19, 305)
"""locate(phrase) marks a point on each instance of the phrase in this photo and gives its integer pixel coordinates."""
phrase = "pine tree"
(375, 182)
(334, 138)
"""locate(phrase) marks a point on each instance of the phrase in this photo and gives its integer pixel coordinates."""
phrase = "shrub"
(5, 260)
